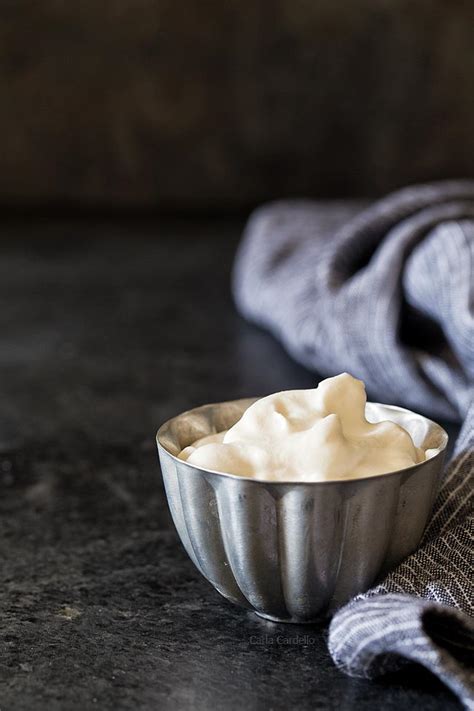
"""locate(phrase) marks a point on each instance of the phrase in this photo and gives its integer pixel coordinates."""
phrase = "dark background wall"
(224, 103)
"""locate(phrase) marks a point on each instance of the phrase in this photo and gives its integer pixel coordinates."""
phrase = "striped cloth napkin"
(385, 291)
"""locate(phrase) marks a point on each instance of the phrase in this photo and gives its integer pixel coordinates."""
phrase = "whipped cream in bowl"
(308, 435)
(292, 503)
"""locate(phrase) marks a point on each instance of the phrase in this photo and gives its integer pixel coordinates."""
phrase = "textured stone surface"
(105, 332)
(226, 103)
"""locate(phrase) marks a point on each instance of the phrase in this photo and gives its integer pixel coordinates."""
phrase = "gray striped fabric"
(386, 292)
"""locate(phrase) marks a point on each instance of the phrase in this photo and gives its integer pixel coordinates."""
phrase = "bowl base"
(289, 620)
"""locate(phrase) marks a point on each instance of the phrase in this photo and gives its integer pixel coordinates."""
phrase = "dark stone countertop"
(108, 329)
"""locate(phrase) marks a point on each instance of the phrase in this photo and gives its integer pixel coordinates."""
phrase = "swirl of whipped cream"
(308, 435)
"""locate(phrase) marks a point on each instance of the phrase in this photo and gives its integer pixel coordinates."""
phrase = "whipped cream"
(308, 435)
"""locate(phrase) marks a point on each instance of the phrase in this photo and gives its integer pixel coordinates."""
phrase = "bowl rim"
(271, 482)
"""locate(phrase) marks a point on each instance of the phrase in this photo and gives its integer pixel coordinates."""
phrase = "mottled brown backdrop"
(224, 103)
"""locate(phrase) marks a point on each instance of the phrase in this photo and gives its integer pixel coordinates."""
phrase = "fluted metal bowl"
(295, 551)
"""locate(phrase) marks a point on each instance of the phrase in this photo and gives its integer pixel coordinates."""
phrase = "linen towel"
(386, 292)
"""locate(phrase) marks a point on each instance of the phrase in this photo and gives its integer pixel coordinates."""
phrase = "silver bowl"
(293, 552)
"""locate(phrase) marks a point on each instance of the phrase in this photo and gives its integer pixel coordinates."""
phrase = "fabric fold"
(382, 291)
